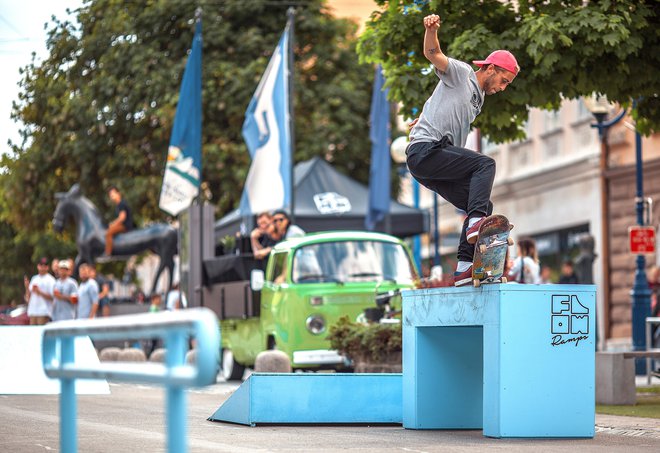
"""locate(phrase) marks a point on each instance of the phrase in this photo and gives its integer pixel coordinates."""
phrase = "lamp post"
(640, 293)
(398, 152)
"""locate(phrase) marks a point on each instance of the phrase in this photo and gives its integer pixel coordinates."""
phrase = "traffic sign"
(642, 239)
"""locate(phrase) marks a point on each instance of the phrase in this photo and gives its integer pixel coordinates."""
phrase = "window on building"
(551, 120)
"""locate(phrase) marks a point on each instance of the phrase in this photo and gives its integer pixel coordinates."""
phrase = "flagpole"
(198, 19)
(291, 13)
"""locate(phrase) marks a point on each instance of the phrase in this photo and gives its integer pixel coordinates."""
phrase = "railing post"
(176, 395)
(68, 404)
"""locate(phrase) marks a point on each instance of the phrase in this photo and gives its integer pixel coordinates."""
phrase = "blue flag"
(379, 173)
(267, 135)
(184, 155)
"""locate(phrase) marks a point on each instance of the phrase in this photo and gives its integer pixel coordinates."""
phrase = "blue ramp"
(295, 398)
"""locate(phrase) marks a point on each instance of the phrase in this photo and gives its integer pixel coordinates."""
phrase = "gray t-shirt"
(88, 295)
(63, 309)
(453, 106)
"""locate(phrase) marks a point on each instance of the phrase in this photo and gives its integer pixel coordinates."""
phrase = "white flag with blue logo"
(182, 175)
(267, 135)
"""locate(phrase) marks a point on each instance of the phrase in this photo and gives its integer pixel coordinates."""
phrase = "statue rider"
(122, 223)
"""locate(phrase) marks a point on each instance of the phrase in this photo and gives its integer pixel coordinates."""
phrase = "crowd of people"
(58, 296)
(52, 294)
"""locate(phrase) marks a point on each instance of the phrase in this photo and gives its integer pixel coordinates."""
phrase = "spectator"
(260, 238)
(283, 227)
(104, 291)
(156, 300)
(176, 299)
(568, 273)
(525, 268)
(54, 268)
(653, 277)
(39, 294)
(88, 293)
(546, 275)
(65, 293)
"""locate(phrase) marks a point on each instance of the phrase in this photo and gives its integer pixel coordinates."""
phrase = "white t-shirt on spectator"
(172, 297)
(38, 305)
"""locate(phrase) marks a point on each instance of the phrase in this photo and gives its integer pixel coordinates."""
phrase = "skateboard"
(491, 250)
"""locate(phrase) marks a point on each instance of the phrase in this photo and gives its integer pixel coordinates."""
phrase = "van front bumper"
(318, 357)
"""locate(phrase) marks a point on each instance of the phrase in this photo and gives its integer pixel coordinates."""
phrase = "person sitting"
(283, 227)
(122, 223)
(260, 238)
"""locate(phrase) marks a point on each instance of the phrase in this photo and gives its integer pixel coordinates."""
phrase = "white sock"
(462, 266)
(473, 220)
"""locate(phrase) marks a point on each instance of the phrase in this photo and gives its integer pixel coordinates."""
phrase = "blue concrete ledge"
(305, 398)
(515, 360)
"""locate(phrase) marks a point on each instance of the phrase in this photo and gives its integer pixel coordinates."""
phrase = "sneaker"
(473, 231)
(463, 278)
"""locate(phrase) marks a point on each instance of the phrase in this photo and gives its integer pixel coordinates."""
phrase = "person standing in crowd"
(568, 273)
(88, 293)
(54, 268)
(154, 306)
(39, 294)
(546, 275)
(122, 223)
(176, 299)
(525, 267)
(260, 238)
(283, 227)
(64, 293)
(104, 291)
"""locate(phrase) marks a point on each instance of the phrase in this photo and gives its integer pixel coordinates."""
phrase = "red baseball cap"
(502, 58)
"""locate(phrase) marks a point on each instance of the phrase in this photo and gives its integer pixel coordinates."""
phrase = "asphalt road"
(131, 419)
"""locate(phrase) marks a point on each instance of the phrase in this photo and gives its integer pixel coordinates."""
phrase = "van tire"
(230, 369)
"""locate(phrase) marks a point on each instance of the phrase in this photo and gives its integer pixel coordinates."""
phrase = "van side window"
(277, 272)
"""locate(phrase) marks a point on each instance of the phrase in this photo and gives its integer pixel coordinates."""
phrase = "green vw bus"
(309, 283)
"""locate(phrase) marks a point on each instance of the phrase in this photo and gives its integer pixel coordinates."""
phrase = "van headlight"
(315, 324)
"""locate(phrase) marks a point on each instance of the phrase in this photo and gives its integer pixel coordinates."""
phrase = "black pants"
(461, 176)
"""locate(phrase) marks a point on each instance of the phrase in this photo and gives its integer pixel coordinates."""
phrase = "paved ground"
(131, 419)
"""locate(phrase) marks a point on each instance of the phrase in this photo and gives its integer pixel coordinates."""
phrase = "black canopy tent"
(326, 199)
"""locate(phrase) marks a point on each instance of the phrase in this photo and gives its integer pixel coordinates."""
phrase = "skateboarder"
(436, 154)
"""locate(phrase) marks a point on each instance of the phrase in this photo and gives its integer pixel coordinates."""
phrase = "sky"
(21, 33)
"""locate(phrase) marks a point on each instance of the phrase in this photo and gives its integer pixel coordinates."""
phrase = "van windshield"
(352, 261)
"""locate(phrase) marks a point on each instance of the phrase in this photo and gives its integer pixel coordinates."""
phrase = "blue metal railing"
(175, 328)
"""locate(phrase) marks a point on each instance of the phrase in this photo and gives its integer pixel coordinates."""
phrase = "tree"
(99, 109)
(566, 49)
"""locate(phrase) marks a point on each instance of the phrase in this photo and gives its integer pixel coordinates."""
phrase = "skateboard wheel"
(504, 280)
(482, 248)
(476, 282)
(509, 240)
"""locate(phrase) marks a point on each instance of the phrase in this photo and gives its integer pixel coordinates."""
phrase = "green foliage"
(99, 108)
(566, 49)
(372, 342)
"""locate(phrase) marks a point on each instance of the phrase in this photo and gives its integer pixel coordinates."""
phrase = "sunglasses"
(279, 219)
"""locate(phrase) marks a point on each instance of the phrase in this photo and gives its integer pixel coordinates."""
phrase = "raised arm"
(432, 50)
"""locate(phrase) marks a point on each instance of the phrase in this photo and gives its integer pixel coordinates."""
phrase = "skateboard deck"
(491, 251)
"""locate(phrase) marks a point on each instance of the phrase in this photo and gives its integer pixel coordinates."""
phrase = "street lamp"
(640, 293)
(398, 152)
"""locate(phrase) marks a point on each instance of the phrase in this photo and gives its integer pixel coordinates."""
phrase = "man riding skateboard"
(436, 154)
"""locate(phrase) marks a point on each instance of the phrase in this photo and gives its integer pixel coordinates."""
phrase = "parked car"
(16, 317)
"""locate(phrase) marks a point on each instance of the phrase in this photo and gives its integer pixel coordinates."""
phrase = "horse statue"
(159, 238)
